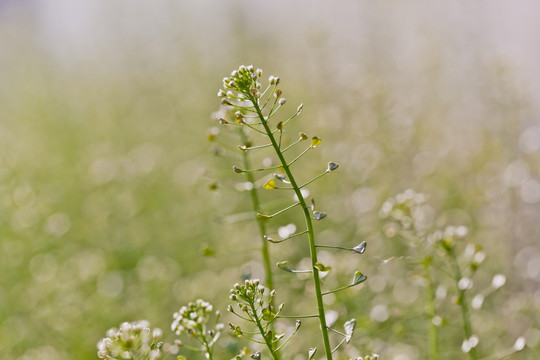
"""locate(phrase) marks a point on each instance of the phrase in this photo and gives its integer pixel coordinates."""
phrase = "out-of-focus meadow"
(107, 175)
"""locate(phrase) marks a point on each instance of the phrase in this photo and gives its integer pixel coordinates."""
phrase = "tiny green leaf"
(270, 184)
(315, 141)
(359, 278)
(311, 353)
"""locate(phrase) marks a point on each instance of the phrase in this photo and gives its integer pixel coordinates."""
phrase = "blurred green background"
(106, 171)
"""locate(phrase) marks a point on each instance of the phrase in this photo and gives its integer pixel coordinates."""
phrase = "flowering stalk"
(131, 341)
(462, 283)
(431, 311)
(254, 110)
(193, 320)
(253, 307)
(405, 211)
(260, 221)
(309, 225)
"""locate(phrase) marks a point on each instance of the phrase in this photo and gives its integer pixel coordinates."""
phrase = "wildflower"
(131, 341)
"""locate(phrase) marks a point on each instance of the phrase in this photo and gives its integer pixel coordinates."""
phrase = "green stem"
(281, 211)
(312, 180)
(462, 300)
(298, 317)
(311, 235)
(208, 349)
(431, 313)
(263, 333)
(334, 247)
(339, 289)
(262, 227)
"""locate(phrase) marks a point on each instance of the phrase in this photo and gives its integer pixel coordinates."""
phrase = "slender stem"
(263, 333)
(287, 238)
(431, 312)
(253, 128)
(255, 147)
(311, 235)
(296, 158)
(262, 226)
(291, 145)
(337, 332)
(338, 346)
(315, 178)
(288, 339)
(339, 289)
(289, 119)
(298, 317)
(208, 349)
(462, 300)
(262, 169)
(334, 247)
(283, 210)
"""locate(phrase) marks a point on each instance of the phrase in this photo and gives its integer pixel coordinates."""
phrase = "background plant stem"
(431, 312)
(311, 235)
(260, 222)
(462, 300)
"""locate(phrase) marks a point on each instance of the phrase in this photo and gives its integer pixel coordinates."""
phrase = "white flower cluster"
(191, 319)
(243, 83)
(408, 209)
(473, 253)
(367, 357)
(448, 237)
(131, 341)
(250, 291)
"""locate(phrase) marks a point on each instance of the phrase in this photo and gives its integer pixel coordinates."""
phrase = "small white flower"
(498, 281)
(465, 283)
